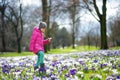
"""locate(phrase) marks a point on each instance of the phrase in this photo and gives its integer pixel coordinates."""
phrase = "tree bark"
(103, 27)
(2, 9)
(102, 18)
(44, 9)
(48, 23)
(73, 22)
(44, 17)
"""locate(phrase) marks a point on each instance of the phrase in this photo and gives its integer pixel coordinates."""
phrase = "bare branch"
(96, 8)
(91, 11)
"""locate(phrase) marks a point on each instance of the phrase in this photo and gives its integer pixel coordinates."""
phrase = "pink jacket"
(37, 41)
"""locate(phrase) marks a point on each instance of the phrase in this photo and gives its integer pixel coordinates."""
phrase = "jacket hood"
(36, 29)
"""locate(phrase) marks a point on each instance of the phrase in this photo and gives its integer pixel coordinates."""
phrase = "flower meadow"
(92, 65)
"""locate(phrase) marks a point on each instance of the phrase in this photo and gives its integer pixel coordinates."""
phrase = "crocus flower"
(53, 77)
(5, 71)
(81, 62)
(36, 78)
(73, 71)
(110, 78)
(65, 67)
(101, 65)
(67, 75)
(118, 77)
(41, 69)
(6, 68)
(114, 66)
(85, 69)
(93, 68)
(95, 61)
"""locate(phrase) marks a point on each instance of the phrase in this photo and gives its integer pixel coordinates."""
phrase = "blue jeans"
(40, 59)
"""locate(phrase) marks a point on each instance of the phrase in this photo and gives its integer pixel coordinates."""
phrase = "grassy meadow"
(58, 51)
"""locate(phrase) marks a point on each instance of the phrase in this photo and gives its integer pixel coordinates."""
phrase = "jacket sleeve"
(46, 41)
(32, 41)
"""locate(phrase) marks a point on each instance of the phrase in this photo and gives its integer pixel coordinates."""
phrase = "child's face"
(43, 30)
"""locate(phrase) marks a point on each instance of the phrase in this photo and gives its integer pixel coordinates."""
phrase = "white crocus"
(115, 71)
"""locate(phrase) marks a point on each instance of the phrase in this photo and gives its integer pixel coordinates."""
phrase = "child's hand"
(49, 39)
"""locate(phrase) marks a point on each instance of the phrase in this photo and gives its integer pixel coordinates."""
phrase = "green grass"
(69, 49)
(13, 54)
(58, 51)
(115, 48)
(52, 51)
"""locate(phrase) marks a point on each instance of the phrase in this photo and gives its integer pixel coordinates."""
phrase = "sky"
(31, 2)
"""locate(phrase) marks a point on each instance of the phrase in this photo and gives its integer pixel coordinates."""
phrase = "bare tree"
(114, 26)
(15, 17)
(101, 19)
(3, 6)
(72, 9)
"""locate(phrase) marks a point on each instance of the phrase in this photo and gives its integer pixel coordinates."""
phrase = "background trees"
(73, 9)
(101, 18)
(3, 5)
(66, 21)
(114, 26)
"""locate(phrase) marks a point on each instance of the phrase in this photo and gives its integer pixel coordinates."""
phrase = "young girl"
(37, 44)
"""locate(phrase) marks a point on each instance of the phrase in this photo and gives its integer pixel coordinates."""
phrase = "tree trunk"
(19, 45)
(48, 24)
(73, 35)
(103, 34)
(44, 17)
(102, 21)
(73, 20)
(103, 27)
(21, 34)
(44, 9)
(3, 29)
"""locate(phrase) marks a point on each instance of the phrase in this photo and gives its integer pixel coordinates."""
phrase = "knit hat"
(42, 25)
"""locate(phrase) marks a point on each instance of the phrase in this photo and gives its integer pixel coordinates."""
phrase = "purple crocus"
(101, 65)
(117, 77)
(85, 69)
(6, 68)
(36, 78)
(67, 75)
(114, 66)
(119, 65)
(5, 71)
(53, 64)
(105, 65)
(53, 77)
(93, 68)
(65, 67)
(95, 61)
(81, 62)
(73, 71)
(116, 53)
(41, 69)
(110, 78)
(17, 70)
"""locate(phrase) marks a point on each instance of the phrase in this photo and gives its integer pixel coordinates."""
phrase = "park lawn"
(52, 51)
(115, 48)
(58, 51)
(70, 49)
(14, 54)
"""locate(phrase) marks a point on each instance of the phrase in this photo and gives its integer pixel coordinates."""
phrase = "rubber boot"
(43, 68)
